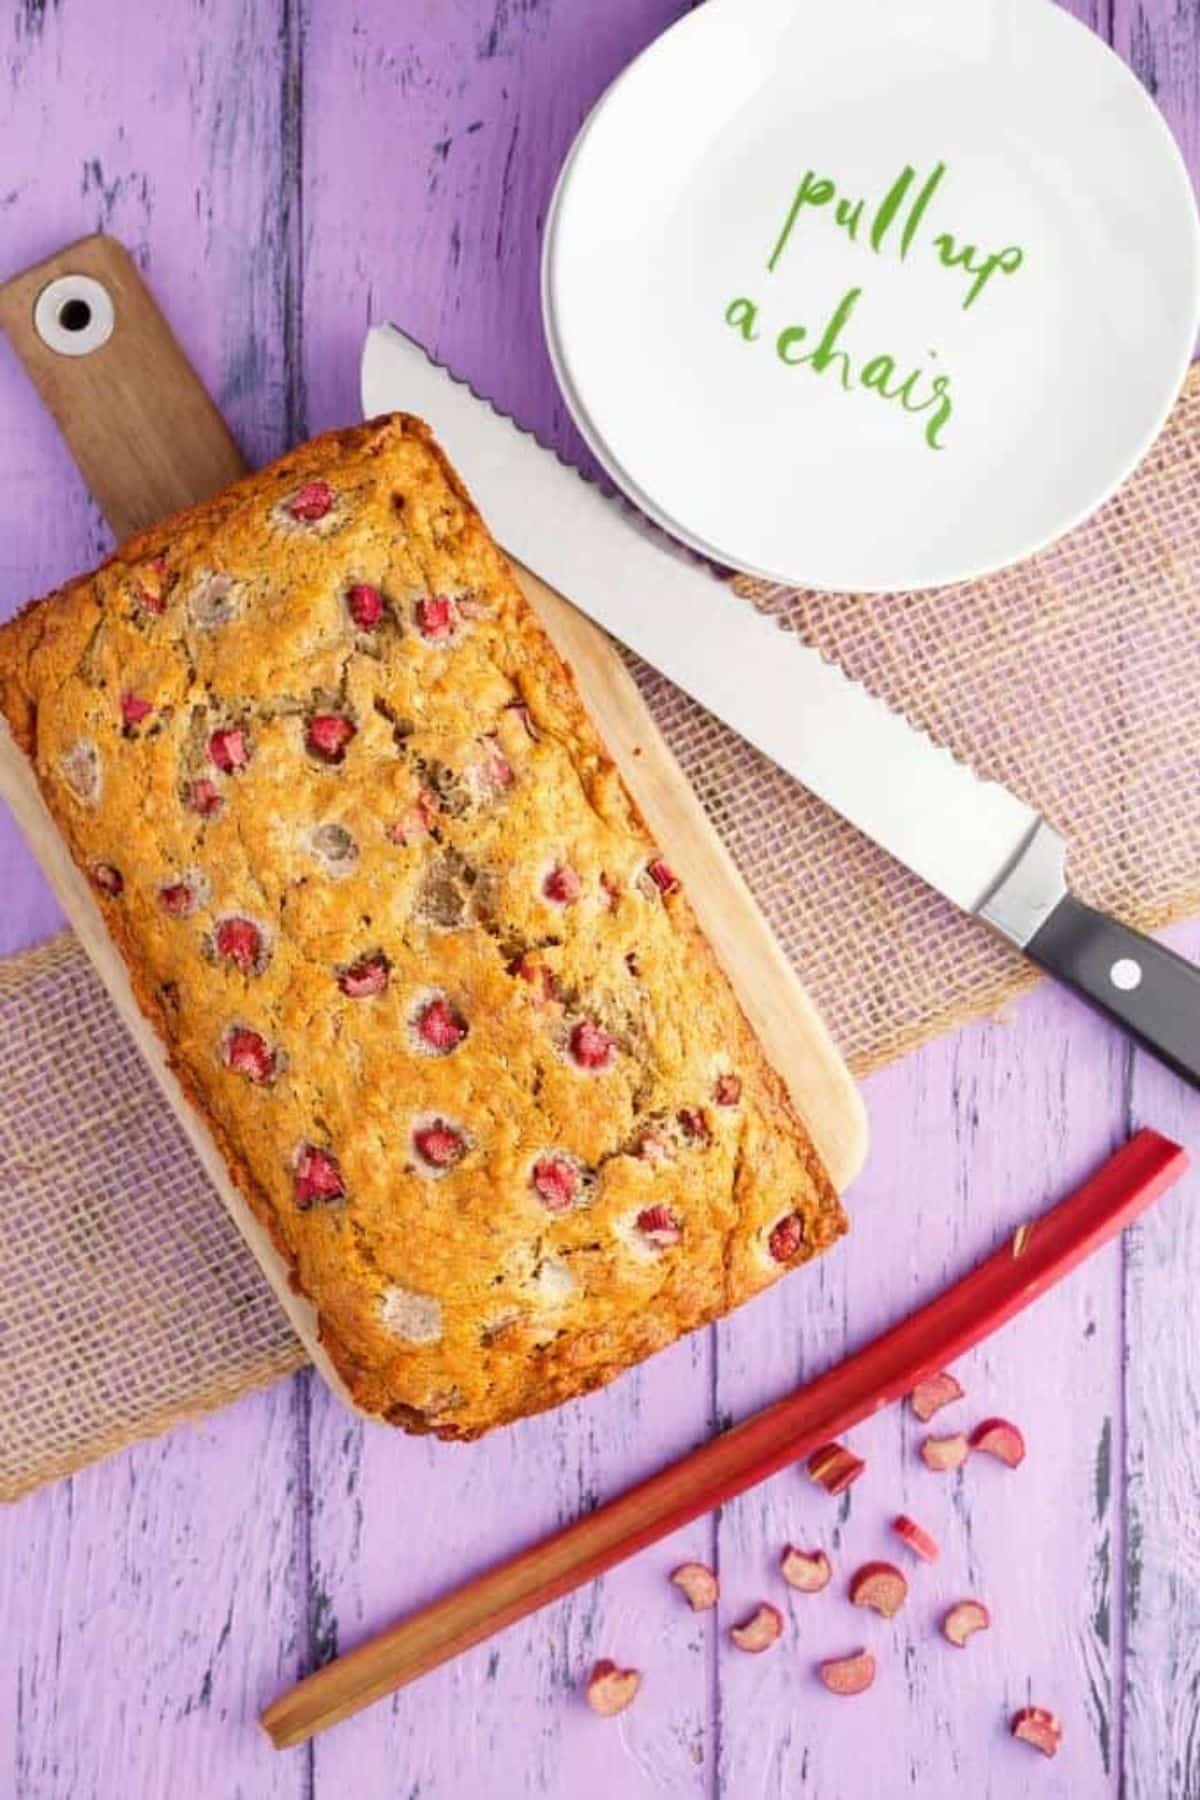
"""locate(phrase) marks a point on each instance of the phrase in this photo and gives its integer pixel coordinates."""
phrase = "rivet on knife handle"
(1148, 990)
(1145, 987)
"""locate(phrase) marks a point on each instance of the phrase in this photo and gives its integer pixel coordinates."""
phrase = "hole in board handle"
(74, 315)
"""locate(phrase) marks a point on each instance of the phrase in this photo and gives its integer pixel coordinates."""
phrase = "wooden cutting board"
(149, 441)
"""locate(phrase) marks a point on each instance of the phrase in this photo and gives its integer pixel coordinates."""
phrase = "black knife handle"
(1150, 991)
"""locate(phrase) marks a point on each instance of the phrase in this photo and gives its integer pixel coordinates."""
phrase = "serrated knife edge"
(779, 693)
(974, 841)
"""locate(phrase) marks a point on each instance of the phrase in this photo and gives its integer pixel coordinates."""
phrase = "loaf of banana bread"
(441, 1003)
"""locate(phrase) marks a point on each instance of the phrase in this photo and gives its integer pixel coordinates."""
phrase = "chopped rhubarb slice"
(328, 735)
(149, 601)
(659, 1226)
(562, 885)
(439, 1144)
(999, 1438)
(942, 1453)
(591, 1046)
(134, 709)
(248, 1053)
(698, 1584)
(916, 1537)
(204, 798)
(664, 879)
(365, 606)
(178, 899)
(229, 749)
(787, 1238)
(311, 502)
(763, 1628)
(610, 1689)
(964, 1620)
(848, 1674)
(316, 1177)
(108, 879)
(439, 1027)
(881, 1586)
(808, 1571)
(556, 1182)
(435, 617)
(693, 1124)
(934, 1392)
(363, 979)
(240, 942)
(1037, 1726)
(834, 1468)
(728, 1090)
(417, 822)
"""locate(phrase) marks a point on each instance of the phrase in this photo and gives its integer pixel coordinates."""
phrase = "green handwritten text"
(900, 207)
(918, 391)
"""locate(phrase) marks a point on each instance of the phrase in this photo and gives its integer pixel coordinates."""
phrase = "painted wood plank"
(1158, 39)
(142, 429)
(967, 1137)
(396, 1522)
(443, 238)
(1161, 1748)
(149, 1607)
(1159, 1742)
(82, 1580)
(433, 139)
(149, 1604)
(171, 137)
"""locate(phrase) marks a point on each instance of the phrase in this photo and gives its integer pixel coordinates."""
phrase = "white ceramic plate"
(874, 295)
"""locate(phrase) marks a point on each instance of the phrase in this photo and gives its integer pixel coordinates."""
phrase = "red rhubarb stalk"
(884, 1370)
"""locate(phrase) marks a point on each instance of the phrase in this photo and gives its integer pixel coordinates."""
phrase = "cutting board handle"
(137, 419)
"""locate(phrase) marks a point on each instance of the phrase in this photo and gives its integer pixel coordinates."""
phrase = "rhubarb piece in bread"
(441, 1002)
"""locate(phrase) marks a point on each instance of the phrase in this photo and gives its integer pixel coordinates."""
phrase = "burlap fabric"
(127, 1301)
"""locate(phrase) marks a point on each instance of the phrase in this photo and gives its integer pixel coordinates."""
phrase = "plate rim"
(684, 533)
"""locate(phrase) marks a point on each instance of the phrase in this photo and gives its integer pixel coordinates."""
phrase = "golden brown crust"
(385, 899)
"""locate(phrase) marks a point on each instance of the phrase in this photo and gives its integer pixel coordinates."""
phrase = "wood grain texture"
(1156, 1460)
(799, 1429)
(137, 1649)
(1157, 38)
(1161, 1640)
(141, 428)
(286, 173)
(1156, 1455)
(150, 1604)
(953, 1167)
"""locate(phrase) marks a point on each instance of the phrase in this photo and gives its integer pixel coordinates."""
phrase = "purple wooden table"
(287, 173)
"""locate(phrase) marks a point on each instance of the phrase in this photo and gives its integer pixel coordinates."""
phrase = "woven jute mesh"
(127, 1300)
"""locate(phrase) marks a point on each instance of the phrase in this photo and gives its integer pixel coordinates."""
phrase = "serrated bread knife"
(972, 840)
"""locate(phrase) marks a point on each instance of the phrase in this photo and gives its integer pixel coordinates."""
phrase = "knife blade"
(981, 846)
